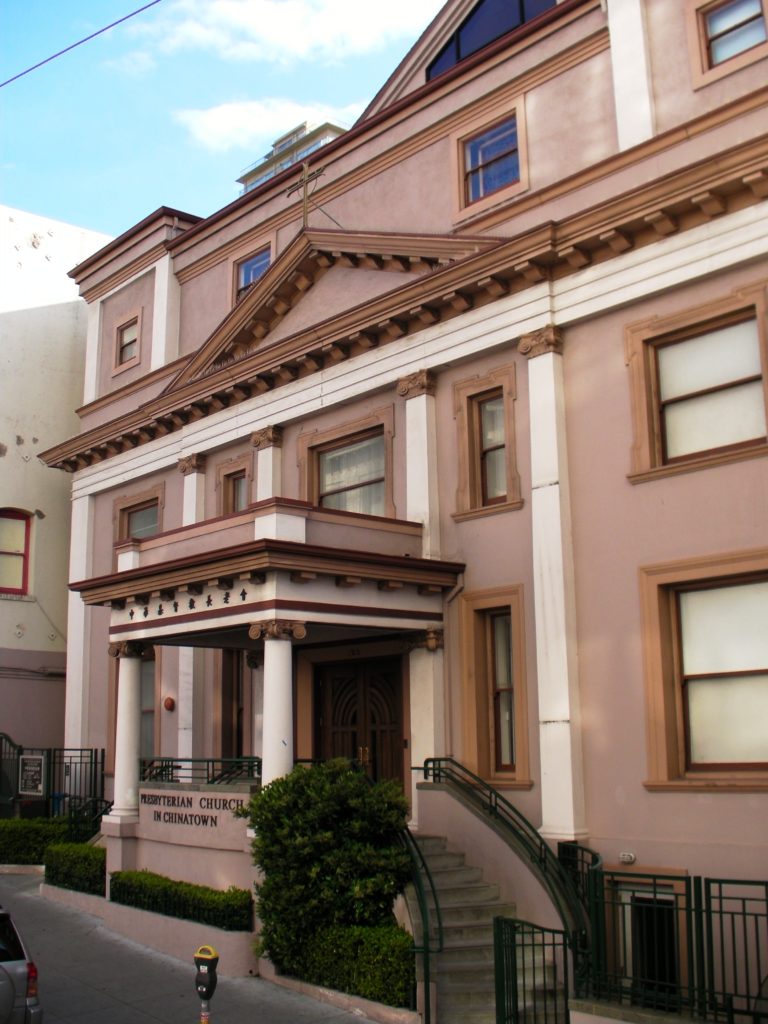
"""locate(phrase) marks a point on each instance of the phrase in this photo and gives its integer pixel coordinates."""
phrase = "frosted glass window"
(351, 478)
(493, 469)
(711, 390)
(143, 522)
(733, 28)
(724, 644)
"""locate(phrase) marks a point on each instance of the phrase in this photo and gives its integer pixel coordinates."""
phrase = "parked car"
(18, 978)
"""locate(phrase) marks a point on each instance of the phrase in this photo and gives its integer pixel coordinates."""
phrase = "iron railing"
(62, 774)
(521, 836)
(211, 771)
(431, 939)
(84, 818)
(531, 969)
(680, 944)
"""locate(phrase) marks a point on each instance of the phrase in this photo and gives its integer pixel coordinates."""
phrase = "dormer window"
(489, 20)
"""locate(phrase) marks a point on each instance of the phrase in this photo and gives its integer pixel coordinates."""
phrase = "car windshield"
(10, 947)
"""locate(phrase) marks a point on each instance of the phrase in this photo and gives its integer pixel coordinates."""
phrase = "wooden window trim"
(665, 720)
(466, 393)
(226, 470)
(119, 367)
(476, 696)
(464, 209)
(26, 518)
(123, 506)
(702, 73)
(646, 462)
(311, 443)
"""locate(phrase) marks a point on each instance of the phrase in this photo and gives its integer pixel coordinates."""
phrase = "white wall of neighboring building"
(42, 347)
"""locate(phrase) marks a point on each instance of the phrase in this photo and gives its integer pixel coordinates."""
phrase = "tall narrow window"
(236, 496)
(127, 343)
(732, 28)
(491, 160)
(14, 551)
(351, 476)
(500, 665)
(492, 448)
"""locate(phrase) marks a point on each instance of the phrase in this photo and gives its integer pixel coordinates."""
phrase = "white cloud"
(284, 31)
(255, 124)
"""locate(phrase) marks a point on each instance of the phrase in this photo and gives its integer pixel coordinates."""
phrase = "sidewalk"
(89, 975)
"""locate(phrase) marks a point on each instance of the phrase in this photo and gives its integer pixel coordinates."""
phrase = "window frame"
(641, 341)
(239, 288)
(472, 129)
(127, 504)
(25, 555)
(118, 365)
(703, 72)
(665, 712)
(312, 443)
(480, 736)
(240, 467)
(467, 397)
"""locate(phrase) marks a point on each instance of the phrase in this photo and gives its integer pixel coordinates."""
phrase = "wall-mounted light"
(169, 704)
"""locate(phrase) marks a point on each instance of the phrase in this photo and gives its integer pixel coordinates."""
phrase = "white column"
(128, 738)
(93, 337)
(76, 722)
(165, 314)
(630, 65)
(277, 744)
(189, 684)
(427, 705)
(562, 782)
(269, 462)
(421, 490)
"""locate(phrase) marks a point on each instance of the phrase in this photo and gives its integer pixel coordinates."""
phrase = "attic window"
(489, 20)
(251, 269)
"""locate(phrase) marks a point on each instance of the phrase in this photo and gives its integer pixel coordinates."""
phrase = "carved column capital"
(423, 382)
(192, 464)
(267, 437)
(126, 649)
(277, 629)
(430, 640)
(538, 343)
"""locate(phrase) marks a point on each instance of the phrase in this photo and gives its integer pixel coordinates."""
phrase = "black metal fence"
(46, 781)
(201, 770)
(531, 973)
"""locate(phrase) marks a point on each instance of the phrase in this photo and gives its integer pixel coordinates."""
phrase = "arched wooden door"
(359, 714)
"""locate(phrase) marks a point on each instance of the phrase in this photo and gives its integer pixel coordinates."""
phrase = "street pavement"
(89, 975)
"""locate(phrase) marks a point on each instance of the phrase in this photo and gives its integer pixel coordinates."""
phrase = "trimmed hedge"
(231, 910)
(375, 963)
(77, 866)
(24, 840)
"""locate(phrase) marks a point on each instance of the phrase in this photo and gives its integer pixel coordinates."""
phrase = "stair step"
(449, 878)
(444, 860)
(482, 913)
(467, 957)
(464, 1015)
(468, 895)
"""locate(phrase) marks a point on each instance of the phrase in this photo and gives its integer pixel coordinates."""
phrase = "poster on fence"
(32, 775)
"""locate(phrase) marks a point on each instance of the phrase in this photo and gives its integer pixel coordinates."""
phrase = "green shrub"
(376, 963)
(24, 841)
(231, 910)
(77, 866)
(327, 843)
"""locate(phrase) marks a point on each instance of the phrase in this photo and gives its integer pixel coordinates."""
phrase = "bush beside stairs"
(464, 970)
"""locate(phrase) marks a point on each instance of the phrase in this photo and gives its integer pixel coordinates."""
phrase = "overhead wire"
(78, 43)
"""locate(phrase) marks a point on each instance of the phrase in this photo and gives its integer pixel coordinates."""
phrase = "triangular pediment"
(320, 275)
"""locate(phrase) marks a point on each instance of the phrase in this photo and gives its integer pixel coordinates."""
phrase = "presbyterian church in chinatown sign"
(192, 817)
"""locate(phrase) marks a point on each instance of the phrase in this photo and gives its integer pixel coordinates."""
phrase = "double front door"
(359, 715)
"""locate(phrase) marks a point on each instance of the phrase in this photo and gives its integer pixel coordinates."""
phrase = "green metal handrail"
(214, 771)
(522, 837)
(420, 870)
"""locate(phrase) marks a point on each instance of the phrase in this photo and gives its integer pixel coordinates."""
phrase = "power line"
(79, 43)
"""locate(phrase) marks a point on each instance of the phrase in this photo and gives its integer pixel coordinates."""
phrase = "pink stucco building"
(480, 475)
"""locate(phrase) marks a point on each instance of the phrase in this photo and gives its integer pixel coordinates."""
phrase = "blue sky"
(168, 108)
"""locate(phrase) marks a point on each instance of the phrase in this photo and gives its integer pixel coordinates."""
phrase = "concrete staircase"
(468, 904)
(464, 970)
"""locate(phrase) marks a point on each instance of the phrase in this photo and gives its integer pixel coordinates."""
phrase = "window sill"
(487, 510)
(16, 597)
(744, 783)
(692, 465)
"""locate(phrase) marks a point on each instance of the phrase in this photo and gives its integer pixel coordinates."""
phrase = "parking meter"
(206, 960)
